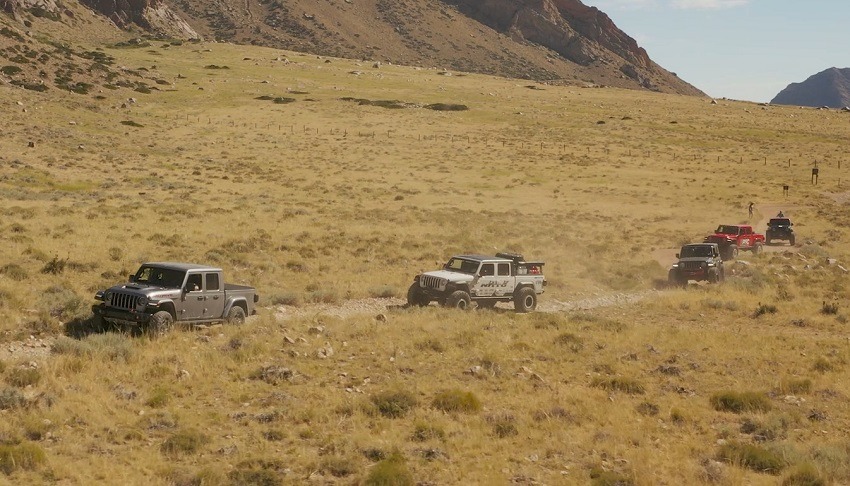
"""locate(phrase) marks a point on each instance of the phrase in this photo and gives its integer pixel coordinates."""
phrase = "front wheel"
(791, 240)
(160, 324)
(459, 299)
(236, 315)
(416, 297)
(525, 300)
(758, 249)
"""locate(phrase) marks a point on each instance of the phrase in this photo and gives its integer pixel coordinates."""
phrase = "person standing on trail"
(750, 209)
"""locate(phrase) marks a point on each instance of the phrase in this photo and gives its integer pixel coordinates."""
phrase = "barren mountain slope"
(828, 88)
(541, 40)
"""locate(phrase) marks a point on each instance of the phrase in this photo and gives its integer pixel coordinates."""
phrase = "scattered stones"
(325, 352)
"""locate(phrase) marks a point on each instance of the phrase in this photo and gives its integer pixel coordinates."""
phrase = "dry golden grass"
(325, 200)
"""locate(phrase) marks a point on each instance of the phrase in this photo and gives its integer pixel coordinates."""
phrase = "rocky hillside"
(829, 88)
(561, 41)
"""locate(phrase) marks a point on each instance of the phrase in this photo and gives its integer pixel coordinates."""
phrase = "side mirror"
(677, 255)
(132, 278)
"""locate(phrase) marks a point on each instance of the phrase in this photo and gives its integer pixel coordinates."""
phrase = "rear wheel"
(459, 299)
(525, 300)
(160, 324)
(416, 297)
(236, 315)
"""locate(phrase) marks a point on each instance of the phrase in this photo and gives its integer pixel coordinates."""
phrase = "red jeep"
(732, 238)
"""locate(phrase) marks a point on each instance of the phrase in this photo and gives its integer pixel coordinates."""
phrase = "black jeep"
(698, 261)
(779, 229)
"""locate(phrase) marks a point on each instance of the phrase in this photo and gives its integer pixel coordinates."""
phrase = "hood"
(696, 259)
(145, 289)
(455, 277)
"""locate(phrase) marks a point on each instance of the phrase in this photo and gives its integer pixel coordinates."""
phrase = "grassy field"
(323, 180)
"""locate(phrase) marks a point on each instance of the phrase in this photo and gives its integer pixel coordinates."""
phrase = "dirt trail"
(376, 307)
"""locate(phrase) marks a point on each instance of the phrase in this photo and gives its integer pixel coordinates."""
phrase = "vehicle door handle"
(215, 297)
(201, 297)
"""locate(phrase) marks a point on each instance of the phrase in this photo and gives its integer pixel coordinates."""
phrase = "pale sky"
(738, 49)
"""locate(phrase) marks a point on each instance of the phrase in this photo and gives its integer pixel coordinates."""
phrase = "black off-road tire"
(673, 279)
(758, 249)
(159, 324)
(713, 276)
(525, 300)
(722, 274)
(791, 240)
(236, 315)
(768, 241)
(459, 299)
(416, 297)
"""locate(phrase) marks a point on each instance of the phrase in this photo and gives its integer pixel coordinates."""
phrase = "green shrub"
(55, 266)
(23, 377)
(394, 404)
(423, 432)
(338, 467)
(25, 456)
(763, 309)
(158, 398)
(383, 292)
(625, 385)
(11, 70)
(254, 477)
(187, 441)
(740, 402)
(601, 477)
(446, 107)
(14, 271)
(573, 342)
(794, 386)
(823, 365)
(829, 308)
(285, 298)
(456, 401)
(503, 424)
(11, 398)
(752, 457)
(129, 123)
(431, 344)
(804, 475)
(391, 471)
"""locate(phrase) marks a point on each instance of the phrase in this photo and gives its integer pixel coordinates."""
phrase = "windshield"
(696, 251)
(780, 222)
(161, 277)
(727, 230)
(462, 265)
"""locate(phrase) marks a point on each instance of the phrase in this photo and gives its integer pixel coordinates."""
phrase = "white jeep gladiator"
(485, 280)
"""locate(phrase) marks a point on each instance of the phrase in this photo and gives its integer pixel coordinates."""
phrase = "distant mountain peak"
(829, 88)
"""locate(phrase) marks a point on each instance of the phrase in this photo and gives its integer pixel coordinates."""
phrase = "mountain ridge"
(829, 88)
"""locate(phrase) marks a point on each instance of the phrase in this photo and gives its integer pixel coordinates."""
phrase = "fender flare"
(240, 302)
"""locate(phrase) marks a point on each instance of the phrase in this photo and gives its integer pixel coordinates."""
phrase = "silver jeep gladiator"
(485, 280)
(160, 294)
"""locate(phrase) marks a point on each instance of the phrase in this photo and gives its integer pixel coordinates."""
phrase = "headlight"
(143, 301)
(712, 264)
(107, 297)
(675, 265)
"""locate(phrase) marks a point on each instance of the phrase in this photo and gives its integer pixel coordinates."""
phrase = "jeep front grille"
(430, 282)
(693, 265)
(124, 301)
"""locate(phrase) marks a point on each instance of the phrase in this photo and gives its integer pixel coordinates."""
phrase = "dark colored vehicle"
(779, 229)
(732, 238)
(160, 294)
(699, 262)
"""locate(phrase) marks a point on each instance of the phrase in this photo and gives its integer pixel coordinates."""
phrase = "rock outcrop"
(152, 15)
(829, 88)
